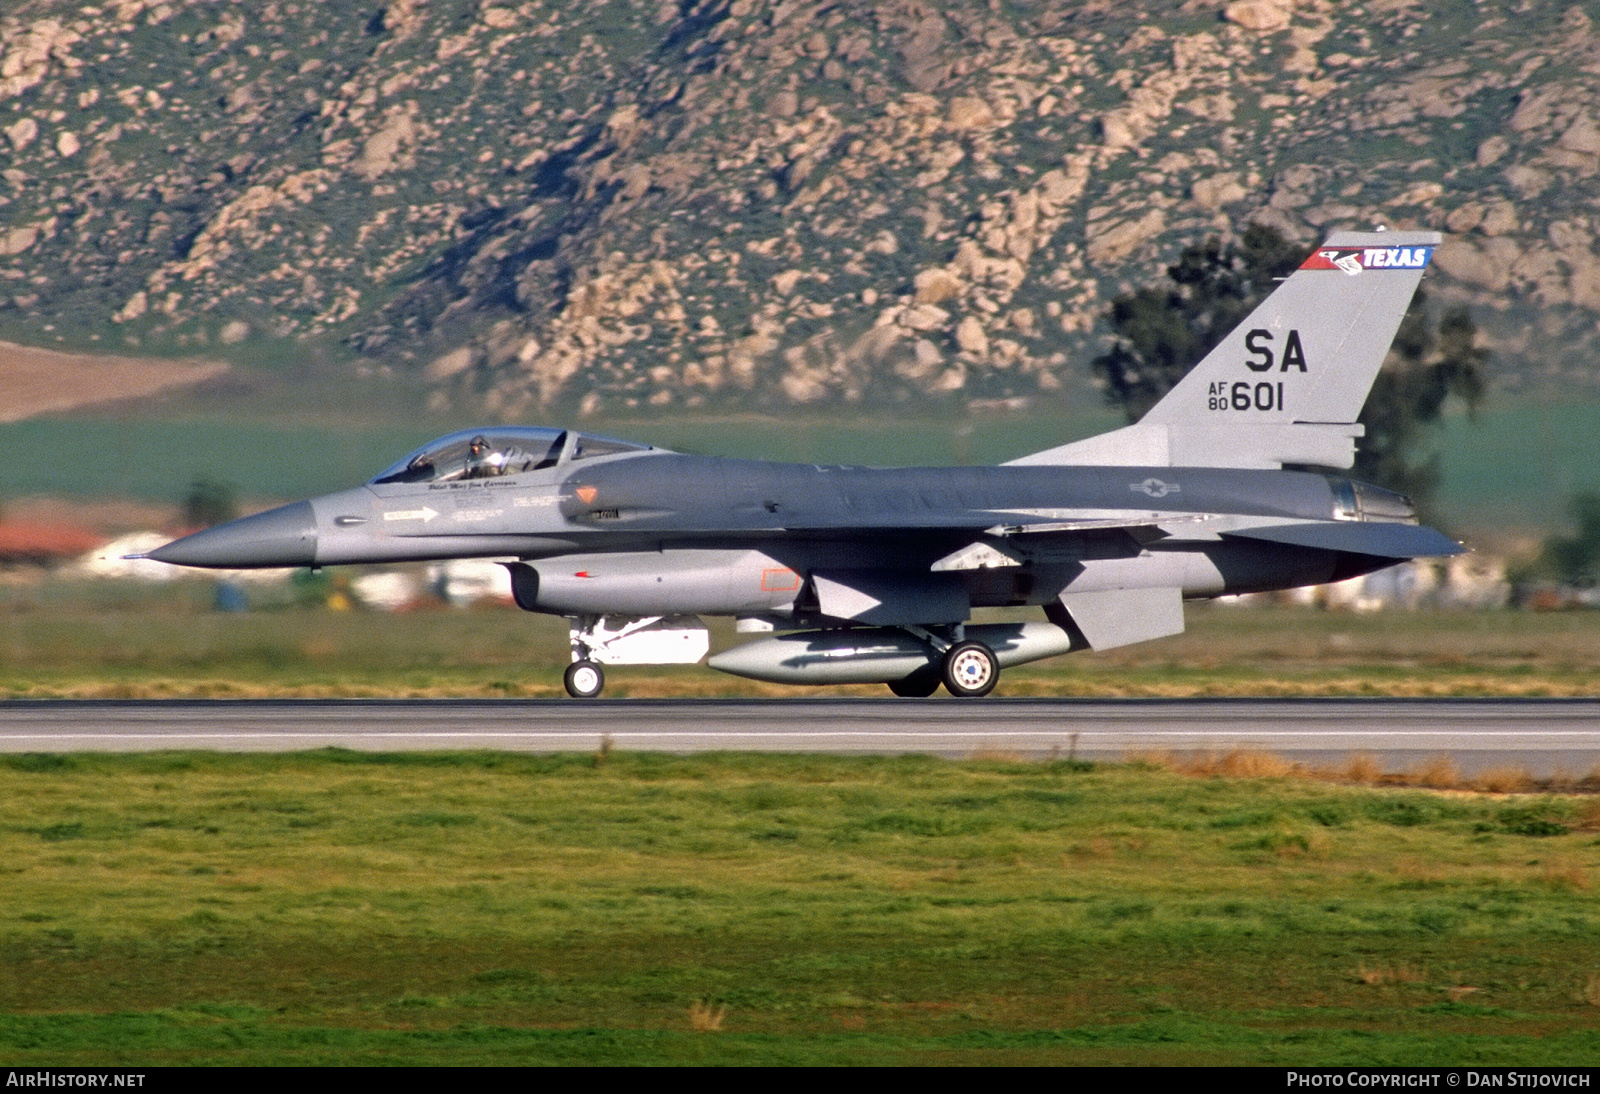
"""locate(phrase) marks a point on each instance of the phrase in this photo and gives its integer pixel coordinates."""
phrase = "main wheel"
(970, 670)
(919, 685)
(584, 679)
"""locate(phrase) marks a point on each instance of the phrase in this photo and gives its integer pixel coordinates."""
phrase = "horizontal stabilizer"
(1378, 539)
(1120, 617)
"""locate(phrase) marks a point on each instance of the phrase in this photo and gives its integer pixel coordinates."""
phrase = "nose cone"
(279, 537)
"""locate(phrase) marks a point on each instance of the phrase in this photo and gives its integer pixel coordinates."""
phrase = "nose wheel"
(970, 670)
(584, 679)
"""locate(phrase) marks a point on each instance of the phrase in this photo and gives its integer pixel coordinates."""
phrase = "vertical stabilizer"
(1286, 385)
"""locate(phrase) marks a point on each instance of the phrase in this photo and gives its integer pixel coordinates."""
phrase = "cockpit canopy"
(497, 451)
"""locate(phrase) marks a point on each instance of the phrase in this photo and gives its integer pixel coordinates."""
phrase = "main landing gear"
(970, 670)
(967, 669)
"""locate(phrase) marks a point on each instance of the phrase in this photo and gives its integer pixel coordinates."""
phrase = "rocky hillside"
(758, 203)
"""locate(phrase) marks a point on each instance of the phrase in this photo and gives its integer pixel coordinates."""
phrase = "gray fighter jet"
(865, 574)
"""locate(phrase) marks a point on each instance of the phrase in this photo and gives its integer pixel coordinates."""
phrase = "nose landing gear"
(584, 679)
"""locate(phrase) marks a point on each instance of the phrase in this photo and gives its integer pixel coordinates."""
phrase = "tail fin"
(1286, 385)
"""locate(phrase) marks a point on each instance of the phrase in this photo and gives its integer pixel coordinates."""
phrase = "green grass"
(480, 908)
(67, 639)
(1517, 464)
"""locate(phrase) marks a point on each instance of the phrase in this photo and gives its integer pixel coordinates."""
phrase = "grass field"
(452, 909)
(108, 640)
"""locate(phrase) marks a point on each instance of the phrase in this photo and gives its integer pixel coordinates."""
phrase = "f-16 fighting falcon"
(867, 574)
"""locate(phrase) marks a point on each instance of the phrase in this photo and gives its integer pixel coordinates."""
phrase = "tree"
(1576, 559)
(1163, 331)
(209, 503)
(1427, 365)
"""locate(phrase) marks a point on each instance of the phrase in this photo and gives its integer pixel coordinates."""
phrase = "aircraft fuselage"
(660, 532)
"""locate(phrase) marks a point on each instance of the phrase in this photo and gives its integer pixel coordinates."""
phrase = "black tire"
(584, 679)
(919, 685)
(970, 670)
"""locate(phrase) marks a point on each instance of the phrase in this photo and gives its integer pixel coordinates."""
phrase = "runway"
(1542, 737)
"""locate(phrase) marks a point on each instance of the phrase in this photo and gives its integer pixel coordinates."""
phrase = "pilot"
(487, 462)
(483, 462)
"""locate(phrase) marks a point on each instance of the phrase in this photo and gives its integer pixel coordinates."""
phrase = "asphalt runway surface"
(1542, 737)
